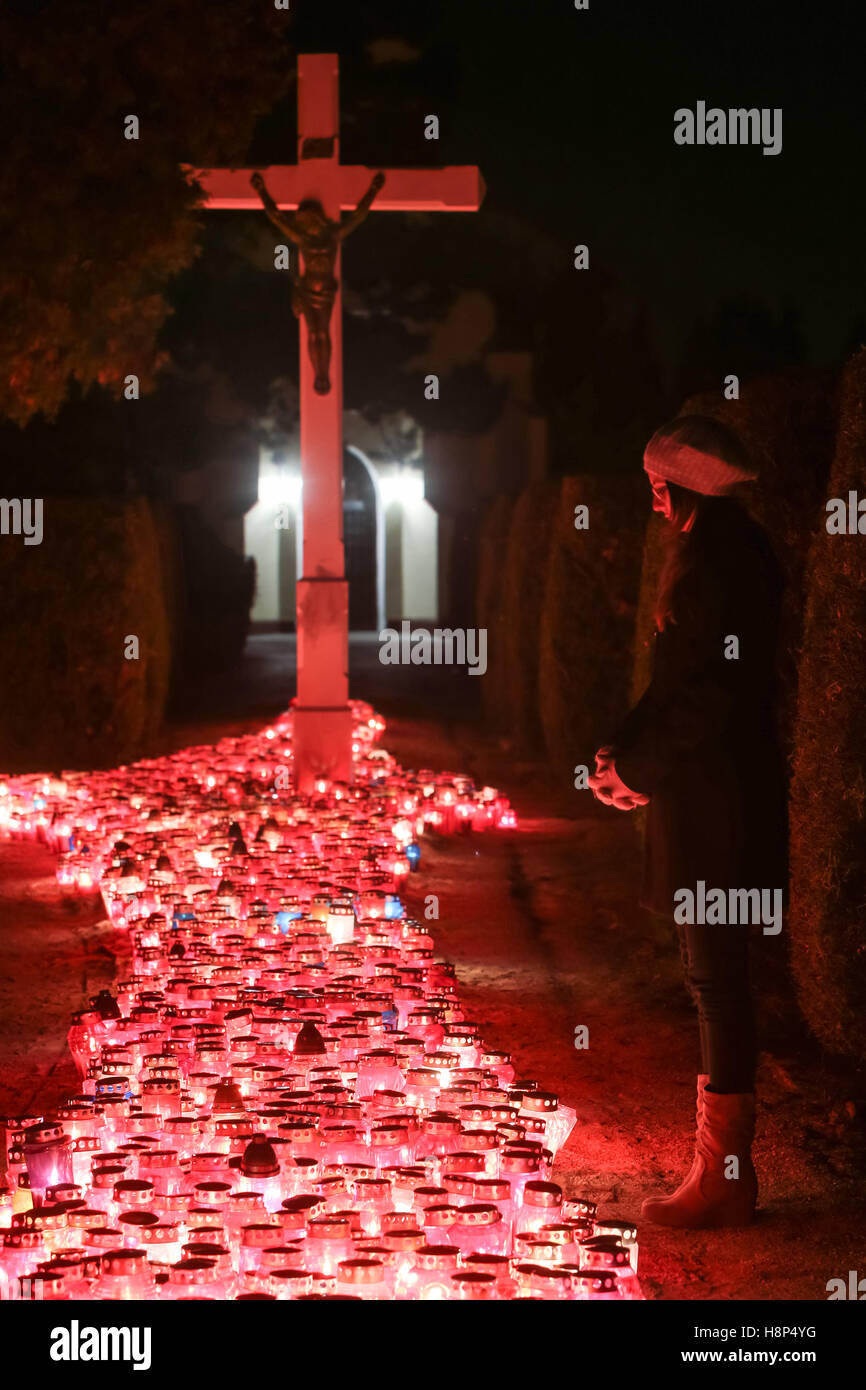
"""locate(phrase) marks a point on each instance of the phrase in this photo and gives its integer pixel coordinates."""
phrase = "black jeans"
(716, 967)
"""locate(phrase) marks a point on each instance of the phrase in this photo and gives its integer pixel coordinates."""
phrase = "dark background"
(570, 115)
(704, 261)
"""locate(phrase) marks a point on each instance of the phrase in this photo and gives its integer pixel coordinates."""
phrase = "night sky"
(570, 115)
(704, 261)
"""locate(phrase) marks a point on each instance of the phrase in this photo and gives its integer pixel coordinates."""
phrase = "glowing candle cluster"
(284, 1099)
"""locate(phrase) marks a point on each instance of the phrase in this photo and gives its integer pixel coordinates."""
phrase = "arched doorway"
(363, 541)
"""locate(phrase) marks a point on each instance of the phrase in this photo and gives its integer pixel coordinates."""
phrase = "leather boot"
(703, 1078)
(707, 1199)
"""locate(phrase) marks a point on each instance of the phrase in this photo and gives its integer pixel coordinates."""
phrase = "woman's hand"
(608, 787)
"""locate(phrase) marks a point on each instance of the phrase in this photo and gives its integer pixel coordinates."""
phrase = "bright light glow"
(277, 487)
(260, 899)
(403, 487)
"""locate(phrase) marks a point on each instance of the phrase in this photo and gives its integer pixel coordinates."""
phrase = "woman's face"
(661, 496)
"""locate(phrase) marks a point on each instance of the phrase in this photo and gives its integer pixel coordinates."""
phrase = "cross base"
(321, 744)
(323, 641)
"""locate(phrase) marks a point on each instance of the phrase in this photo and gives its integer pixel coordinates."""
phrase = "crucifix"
(320, 188)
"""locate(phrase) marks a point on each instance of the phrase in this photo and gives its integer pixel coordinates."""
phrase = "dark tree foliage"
(93, 225)
(107, 269)
(596, 375)
(741, 335)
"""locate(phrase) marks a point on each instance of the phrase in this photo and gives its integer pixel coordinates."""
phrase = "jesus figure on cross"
(318, 238)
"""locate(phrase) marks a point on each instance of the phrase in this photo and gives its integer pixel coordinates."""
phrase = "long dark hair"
(679, 550)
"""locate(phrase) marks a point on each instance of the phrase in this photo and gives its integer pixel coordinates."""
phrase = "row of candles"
(284, 1098)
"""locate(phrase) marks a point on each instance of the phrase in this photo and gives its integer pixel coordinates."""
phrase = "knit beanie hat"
(699, 453)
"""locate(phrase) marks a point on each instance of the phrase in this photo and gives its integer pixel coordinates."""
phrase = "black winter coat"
(702, 741)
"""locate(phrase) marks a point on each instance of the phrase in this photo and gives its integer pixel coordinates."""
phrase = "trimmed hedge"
(212, 595)
(171, 565)
(490, 607)
(588, 614)
(68, 696)
(828, 793)
(524, 583)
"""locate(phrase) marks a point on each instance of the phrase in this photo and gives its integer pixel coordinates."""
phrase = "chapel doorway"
(362, 543)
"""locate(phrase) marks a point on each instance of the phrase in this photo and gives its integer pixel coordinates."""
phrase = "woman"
(701, 748)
